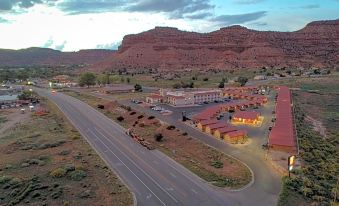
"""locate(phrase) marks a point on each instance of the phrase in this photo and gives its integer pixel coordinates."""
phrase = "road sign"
(291, 162)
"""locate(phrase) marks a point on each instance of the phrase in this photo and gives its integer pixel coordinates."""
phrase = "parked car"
(205, 102)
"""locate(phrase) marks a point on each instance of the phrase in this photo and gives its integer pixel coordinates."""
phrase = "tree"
(221, 84)
(191, 85)
(128, 80)
(176, 86)
(205, 79)
(87, 79)
(158, 137)
(224, 79)
(316, 71)
(25, 95)
(138, 87)
(242, 80)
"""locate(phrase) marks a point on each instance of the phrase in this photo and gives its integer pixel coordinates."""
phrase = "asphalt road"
(154, 178)
(267, 184)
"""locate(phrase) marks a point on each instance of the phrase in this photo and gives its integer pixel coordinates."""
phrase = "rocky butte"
(165, 48)
(48, 57)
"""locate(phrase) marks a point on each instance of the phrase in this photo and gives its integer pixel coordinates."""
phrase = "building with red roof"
(212, 127)
(235, 136)
(246, 117)
(221, 132)
(282, 136)
(202, 124)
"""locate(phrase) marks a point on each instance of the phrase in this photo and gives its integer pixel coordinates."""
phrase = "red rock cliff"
(233, 47)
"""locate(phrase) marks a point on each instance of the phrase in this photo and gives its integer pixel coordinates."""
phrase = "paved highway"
(154, 178)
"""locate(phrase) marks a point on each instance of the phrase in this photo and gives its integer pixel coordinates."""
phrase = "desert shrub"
(51, 145)
(184, 134)
(5, 179)
(77, 175)
(69, 167)
(120, 118)
(158, 137)
(64, 152)
(128, 108)
(58, 173)
(57, 194)
(140, 116)
(132, 113)
(151, 117)
(171, 127)
(217, 164)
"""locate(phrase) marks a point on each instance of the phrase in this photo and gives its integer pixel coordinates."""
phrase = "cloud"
(48, 43)
(51, 44)
(92, 6)
(247, 1)
(2, 20)
(238, 18)
(310, 6)
(259, 24)
(111, 46)
(61, 47)
(5, 5)
(175, 8)
(199, 15)
(9, 5)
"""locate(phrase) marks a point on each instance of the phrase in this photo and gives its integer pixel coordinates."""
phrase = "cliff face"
(233, 47)
(50, 57)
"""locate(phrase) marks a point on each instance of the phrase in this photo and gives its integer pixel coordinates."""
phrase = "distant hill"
(49, 57)
(316, 45)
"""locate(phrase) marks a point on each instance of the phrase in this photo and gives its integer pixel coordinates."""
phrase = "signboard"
(291, 162)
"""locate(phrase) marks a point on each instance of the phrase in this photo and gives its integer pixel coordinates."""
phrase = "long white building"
(184, 97)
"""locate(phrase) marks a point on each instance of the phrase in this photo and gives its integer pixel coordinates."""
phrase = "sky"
(72, 25)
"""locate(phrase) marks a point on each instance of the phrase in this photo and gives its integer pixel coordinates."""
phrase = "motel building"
(246, 117)
(184, 97)
(222, 132)
(235, 136)
(210, 129)
(203, 124)
(179, 98)
(155, 99)
(207, 96)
